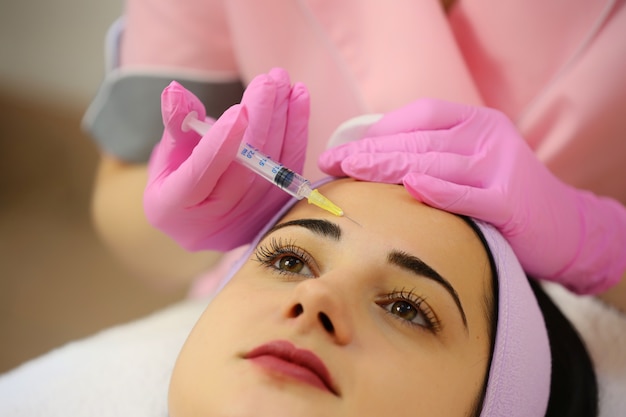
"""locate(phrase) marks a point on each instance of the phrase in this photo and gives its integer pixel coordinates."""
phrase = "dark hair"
(573, 386)
(573, 383)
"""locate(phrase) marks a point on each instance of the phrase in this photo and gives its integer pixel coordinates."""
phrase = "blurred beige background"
(57, 281)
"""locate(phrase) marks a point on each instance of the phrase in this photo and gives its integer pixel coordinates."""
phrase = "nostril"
(328, 325)
(297, 310)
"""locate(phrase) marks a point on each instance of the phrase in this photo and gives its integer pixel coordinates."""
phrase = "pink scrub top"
(557, 69)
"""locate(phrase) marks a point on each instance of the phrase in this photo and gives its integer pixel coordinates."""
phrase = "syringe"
(273, 171)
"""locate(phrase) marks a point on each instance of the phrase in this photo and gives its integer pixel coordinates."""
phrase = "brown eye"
(410, 309)
(290, 264)
(286, 258)
(404, 310)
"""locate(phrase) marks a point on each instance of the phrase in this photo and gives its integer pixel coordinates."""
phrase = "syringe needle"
(322, 202)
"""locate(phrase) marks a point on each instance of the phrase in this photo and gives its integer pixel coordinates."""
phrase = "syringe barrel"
(273, 171)
(251, 157)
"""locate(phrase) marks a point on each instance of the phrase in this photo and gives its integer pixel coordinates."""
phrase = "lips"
(282, 357)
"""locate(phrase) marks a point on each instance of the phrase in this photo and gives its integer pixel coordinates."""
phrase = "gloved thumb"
(176, 103)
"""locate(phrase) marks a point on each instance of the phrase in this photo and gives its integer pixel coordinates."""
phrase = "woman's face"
(385, 314)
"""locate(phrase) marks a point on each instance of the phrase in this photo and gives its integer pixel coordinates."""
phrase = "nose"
(316, 305)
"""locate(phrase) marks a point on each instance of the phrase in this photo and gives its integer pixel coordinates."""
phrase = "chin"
(269, 400)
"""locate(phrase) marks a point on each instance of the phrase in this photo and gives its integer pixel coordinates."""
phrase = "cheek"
(208, 362)
(229, 313)
(240, 309)
(418, 388)
(390, 388)
(425, 379)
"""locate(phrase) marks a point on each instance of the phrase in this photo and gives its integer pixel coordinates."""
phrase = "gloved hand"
(472, 161)
(196, 192)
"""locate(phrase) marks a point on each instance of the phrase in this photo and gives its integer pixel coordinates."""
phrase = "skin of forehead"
(380, 201)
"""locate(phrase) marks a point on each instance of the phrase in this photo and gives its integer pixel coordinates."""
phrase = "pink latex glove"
(472, 161)
(196, 192)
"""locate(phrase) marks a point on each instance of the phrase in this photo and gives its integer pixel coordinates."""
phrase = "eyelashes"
(406, 306)
(285, 258)
(411, 308)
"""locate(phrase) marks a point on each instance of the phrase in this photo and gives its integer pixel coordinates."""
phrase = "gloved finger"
(176, 103)
(388, 167)
(331, 160)
(272, 143)
(392, 167)
(246, 193)
(259, 99)
(267, 99)
(240, 184)
(197, 176)
(423, 114)
(328, 163)
(479, 203)
(293, 149)
(410, 143)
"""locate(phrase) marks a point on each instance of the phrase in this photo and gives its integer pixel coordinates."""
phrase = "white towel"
(604, 331)
(122, 371)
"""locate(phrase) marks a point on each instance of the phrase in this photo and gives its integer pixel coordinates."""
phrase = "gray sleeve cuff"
(124, 118)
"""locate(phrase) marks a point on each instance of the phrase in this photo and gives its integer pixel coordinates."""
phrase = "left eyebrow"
(420, 268)
(320, 227)
(402, 259)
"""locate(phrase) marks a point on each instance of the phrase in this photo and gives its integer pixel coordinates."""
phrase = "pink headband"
(519, 377)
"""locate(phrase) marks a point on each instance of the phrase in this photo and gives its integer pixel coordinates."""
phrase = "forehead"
(388, 212)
